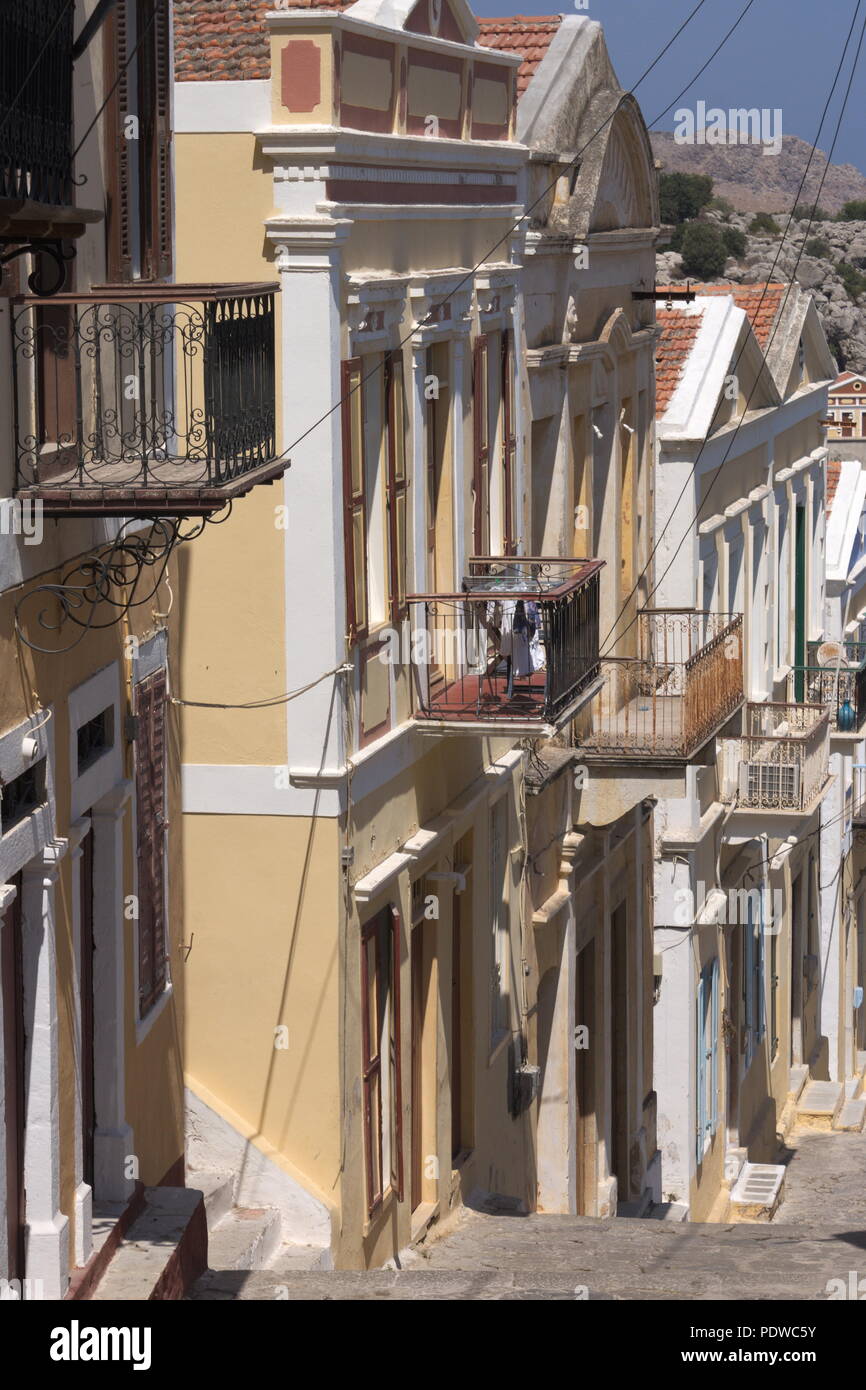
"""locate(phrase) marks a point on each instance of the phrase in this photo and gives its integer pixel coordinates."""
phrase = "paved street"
(819, 1234)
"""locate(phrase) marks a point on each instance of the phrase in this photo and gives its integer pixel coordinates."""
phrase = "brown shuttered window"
(509, 541)
(480, 449)
(138, 150)
(380, 1030)
(150, 760)
(354, 498)
(396, 407)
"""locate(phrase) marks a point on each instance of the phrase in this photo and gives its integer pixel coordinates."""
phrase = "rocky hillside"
(844, 319)
(755, 182)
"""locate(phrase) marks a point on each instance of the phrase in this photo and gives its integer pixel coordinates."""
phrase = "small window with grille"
(21, 796)
(95, 738)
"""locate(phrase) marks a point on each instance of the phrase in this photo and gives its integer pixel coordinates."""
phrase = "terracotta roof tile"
(528, 35)
(834, 473)
(227, 40)
(761, 308)
(679, 332)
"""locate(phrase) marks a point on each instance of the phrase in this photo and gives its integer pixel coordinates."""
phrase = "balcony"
(514, 649)
(144, 400)
(37, 203)
(842, 690)
(781, 763)
(664, 703)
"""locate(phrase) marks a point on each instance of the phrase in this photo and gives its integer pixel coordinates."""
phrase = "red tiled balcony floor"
(458, 699)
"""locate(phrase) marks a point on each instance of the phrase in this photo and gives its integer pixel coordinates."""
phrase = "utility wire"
(379, 366)
(765, 351)
(37, 60)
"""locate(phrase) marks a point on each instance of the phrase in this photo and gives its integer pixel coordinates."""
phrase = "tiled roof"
(678, 333)
(834, 473)
(528, 35)
(226, 40)
(761, 308)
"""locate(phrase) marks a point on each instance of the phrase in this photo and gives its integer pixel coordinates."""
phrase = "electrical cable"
(379, 366)
(764, 352)
(268, 703)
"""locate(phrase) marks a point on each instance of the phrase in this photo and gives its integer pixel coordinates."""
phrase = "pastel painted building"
(402, 910)
(115, 434)
(744, 963)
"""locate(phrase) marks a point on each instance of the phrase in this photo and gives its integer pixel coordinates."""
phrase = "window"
(509, 543)
(499, 920)
(395, 402)
(707, 1052)
(480, 449)
(753, 978)
(138, 60)
(354, 499)
(95, 738)
(380, 1029)
(150, 700)
(21, 796)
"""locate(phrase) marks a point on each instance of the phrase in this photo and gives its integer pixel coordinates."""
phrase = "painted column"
(113, 1140)
(47, 1227)
(83, 1197)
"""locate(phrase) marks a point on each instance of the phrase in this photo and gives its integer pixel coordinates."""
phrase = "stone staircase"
(242, 1239)
(832, 1105)
(571, 1258)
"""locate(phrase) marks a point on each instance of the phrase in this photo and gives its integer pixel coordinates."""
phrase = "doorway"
(619, 1050)
(422, 1186)
(14, 1079)
(586, 1135)
(88, 1108)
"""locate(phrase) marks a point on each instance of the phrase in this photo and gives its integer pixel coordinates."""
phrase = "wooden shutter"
(701, 1057)
(154, 102)
(150, 700)
(372, 1061)
(396, 1060)
(480, 447)
(354, 499)
(509, 541)
(714, 1048)
(395, 403)
(118, 192)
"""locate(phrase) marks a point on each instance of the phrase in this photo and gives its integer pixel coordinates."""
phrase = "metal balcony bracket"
(56, 252)
(99, 590)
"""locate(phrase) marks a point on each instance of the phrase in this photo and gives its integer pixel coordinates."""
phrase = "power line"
(378, 367)
(765, 351)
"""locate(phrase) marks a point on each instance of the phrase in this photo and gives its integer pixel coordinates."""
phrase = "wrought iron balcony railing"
(36, 39)
(665, 702)
(781, 762)
(841, 686)
(518, 644)
(144, 399)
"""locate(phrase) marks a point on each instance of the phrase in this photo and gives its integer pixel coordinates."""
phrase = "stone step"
(798, 1076)
(820, 1103)
(852, 1115)
(164, 1251)
(669, 1211)
(246, 1238)
(757, 1192)
(219, 1193)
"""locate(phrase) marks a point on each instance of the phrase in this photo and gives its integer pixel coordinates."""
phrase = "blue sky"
(783, 54)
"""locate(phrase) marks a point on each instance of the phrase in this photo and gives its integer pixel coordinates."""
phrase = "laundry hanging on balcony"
(518, 624)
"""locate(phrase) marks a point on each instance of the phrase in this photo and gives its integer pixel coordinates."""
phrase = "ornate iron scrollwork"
(100, 589)
(55, 251)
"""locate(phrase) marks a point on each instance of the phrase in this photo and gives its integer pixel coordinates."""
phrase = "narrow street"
(819, 1234)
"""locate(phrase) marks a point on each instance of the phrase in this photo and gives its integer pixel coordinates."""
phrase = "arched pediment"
(624, 194)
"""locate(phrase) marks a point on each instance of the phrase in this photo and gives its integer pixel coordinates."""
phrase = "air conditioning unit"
(770, 784)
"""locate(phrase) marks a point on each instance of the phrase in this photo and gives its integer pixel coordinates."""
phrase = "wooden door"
(88, 1116)
(14, 1080)
(416, 1157)
(455, 1055)
(619, 1050)
(585, 1139)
